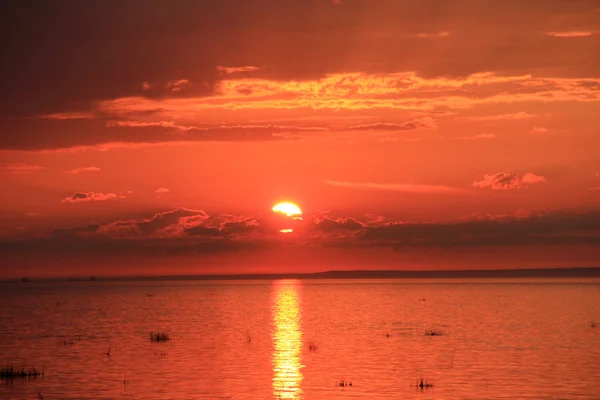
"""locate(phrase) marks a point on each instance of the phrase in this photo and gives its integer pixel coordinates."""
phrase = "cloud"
(193, 231)
(425, 122)
(134, 133)
(506, 181)
(360, 91)
(431, 35)
(146, 124)
(222, 132)
(178, 85)
(571, 34)
(331, 224)
(201, 230)
(235, 70)
(475, 137)
(76, 231)
(70, 115)
(500, 117)
(90, 196)
(159, 44)
(229, 81)
(183, 222)
(154, 119)
(20, 168)
(539, 129)
(82, 169)
(162, 190)
(409, 188)
(178, 219)
(521, 228)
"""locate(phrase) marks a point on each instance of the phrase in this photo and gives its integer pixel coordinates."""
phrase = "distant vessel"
(25, 279)
(92, 278)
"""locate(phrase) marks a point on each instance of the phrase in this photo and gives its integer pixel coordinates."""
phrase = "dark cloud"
(202, 230)
(80, 197)
(405, 126)
(192, 231)
(64, 59)
(46, 134)
(65, 54)
(328, 224)
(78, 230)
(244, 226)
(167, 219)
(551, 228)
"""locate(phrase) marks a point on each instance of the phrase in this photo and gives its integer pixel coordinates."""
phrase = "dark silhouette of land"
(575, 272)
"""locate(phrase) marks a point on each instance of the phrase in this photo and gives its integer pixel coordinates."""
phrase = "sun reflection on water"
(287, 340)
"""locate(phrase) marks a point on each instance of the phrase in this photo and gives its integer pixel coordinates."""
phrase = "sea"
(302, 339)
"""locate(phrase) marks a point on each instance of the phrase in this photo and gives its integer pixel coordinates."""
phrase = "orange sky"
(413, 135)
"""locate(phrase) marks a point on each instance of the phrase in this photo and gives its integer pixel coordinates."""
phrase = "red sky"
(141, 138)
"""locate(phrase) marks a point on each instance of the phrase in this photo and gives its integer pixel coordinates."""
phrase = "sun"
(289, 209)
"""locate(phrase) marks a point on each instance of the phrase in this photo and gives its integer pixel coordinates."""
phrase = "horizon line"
(559, 272)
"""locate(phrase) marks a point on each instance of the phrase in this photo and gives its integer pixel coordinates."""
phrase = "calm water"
(252, 340)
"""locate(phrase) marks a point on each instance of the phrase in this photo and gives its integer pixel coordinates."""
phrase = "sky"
(154, 137)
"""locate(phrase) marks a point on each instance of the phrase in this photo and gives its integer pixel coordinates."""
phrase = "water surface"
(298, 339)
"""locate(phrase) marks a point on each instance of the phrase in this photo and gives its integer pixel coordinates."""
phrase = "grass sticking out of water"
(10, 372)
(423, 383)
(159, 337)
(342, 382)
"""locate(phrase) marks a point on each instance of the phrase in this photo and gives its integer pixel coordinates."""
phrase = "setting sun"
(288, 209)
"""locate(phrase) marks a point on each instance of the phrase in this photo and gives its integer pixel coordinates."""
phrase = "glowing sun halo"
(289, 209)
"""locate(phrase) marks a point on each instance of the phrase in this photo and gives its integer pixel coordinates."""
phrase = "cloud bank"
(194, 231)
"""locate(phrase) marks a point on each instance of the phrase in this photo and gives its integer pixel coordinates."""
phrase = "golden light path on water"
(287, 340)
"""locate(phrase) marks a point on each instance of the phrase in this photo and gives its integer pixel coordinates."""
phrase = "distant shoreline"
(575, 272)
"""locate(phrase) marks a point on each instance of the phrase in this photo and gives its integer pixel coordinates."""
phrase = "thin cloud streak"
(500, 117)
(571, 34)
(426, 122)
(408, 188)
(20, 168)
(69, 115)
(432, 35)
(75, 171)
(476, 137)
(233, 70)
(539, 130)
